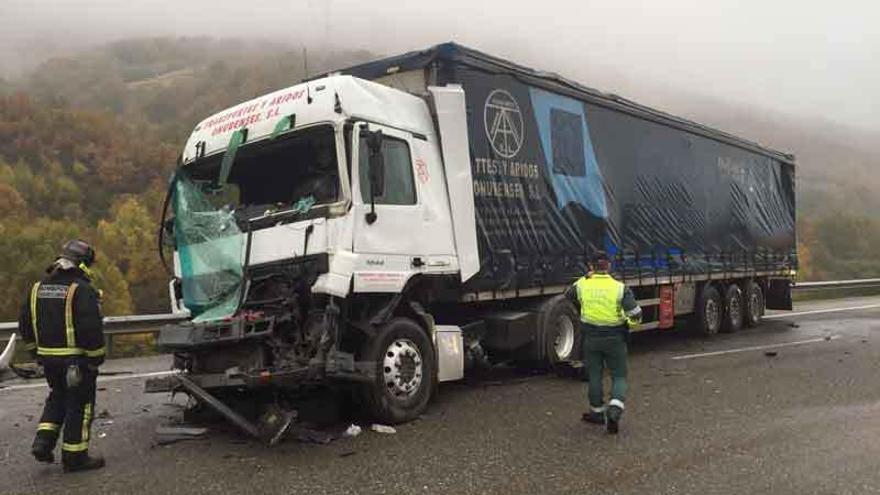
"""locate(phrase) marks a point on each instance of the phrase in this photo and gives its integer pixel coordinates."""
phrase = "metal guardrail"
(122, 325)
(114, 325)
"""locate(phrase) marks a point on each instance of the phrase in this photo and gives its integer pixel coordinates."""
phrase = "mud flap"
(779, 294)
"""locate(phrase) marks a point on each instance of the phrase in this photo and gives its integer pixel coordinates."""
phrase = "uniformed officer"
(608, 309)
(61, 324)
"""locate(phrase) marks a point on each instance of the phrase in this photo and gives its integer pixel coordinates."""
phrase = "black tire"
(734, 309)
(709, 311)
(754, 303)
(405, 394)
(560, 326)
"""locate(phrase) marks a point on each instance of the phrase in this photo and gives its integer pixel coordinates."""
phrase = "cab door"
(388, 226)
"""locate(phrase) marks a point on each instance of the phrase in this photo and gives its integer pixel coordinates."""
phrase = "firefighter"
(608, 310)
(61, 325)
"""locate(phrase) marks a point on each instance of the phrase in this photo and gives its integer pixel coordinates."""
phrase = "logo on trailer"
(504, 123)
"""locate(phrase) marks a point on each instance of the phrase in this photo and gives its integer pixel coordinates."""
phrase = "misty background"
(95, 93)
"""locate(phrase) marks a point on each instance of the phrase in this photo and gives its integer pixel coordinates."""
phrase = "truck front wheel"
(405, 372)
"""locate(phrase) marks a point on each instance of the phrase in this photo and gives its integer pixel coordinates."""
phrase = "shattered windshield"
(294, 171)
(209, 249)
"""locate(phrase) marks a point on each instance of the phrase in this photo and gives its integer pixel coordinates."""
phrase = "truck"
(387, 227)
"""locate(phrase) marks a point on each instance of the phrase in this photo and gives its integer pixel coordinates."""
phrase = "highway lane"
(806, 420)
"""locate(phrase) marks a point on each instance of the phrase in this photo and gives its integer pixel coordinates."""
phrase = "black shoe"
(42, 450)
(612, 426)
(593, 417)
(612, 419)
(80, 461)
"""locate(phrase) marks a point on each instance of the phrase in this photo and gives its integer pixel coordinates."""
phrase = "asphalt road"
(703, 417)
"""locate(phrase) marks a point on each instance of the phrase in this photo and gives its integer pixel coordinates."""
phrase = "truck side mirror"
(376, 172)
(377, 164)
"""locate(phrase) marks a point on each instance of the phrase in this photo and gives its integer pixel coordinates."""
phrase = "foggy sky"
(806, 58)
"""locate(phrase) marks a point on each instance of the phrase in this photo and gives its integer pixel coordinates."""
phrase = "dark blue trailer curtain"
(557, 177)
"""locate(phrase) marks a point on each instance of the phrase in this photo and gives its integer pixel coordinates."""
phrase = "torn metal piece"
(208, 399)
(275, 423)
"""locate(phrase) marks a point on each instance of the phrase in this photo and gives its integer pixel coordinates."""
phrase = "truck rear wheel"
(562, 334)
(754, 299)
(734, 309)
(709, 311)
(405, 372)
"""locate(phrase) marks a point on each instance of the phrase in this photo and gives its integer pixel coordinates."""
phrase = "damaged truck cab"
(304, 223)
(389, 227)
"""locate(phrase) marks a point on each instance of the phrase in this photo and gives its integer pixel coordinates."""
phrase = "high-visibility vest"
(601, 300)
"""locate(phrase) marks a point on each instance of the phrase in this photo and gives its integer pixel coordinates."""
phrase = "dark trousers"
(605, 347)
(69, 407)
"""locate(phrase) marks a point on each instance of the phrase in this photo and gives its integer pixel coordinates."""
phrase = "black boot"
(612, 419)
(593, 417)
(80, 461)
(44, 444)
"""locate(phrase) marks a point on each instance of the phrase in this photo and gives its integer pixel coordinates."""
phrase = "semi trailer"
(388, 226)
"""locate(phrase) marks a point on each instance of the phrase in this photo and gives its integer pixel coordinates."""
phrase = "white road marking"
(756, 348)
(820, 311)
(101, 379)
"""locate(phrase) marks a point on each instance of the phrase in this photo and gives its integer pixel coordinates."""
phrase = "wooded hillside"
(87, 144)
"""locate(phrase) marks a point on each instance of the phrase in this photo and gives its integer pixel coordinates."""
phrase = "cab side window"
(399, 184)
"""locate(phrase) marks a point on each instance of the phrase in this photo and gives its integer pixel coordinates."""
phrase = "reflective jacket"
(605, 302)
(61, 318)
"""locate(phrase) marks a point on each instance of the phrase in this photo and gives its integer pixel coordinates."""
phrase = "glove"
(73, 376)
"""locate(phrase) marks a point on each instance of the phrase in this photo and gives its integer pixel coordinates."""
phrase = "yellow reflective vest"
(601, 300)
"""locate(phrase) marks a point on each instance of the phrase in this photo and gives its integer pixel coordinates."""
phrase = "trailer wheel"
(734, 309)
(709, 311)
(562, 334)
(754, 304)
(405, 372)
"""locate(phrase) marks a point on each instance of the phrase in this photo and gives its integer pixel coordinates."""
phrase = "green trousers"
(605, 348)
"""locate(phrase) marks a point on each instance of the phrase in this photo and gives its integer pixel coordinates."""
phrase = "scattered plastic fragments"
(383, 429)
(771, 353)
(352, 431)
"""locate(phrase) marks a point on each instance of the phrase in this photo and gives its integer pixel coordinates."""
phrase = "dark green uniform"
(607, 309)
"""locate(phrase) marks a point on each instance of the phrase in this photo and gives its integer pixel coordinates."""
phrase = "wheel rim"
(755, 305)
(563, 344)
(735, 311)
(713, 316)
(402, 368)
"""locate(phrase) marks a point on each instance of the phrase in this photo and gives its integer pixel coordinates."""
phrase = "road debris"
(383, 429)
(309, 435)
(352, 431)
(170, 434)
(771, 353)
